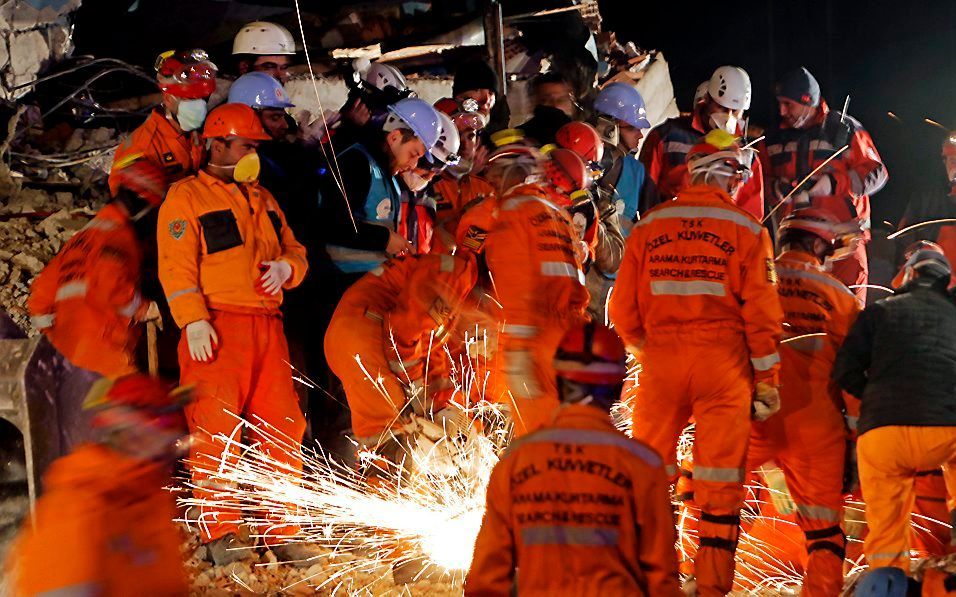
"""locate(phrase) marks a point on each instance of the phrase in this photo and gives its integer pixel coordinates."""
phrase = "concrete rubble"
(33, 34)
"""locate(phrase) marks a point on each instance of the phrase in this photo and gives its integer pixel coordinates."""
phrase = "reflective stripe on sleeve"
(170, 298)
(570, 535)
(765, 363)
(41, 322)
(520, 331)
(688, 288)
(70, 290)
(559, 269)
(129, 310)
(818, 513)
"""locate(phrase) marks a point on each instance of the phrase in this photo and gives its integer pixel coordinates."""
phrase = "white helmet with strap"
(264, 39)
(730, 87)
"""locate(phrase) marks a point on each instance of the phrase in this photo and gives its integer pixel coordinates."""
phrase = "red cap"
(582, 139)
(187, 74)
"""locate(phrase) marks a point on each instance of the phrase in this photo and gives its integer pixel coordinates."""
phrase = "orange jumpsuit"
(807, 438)
(455, 196)
(212, 236)
(87, 300)
(388, 332)
(538, 281)
(104, 526)
(697, 289)
(158, 140)
(579, 509)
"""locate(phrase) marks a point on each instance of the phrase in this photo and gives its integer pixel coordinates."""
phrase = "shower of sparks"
(920, 225)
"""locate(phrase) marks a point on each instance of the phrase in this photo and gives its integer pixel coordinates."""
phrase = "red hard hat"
(813, 220)
(464, 113)
(145, 178)
(582, 139)
(152, 396)
(591, 354)
(949, 144)
(566, 172)
(234, 120)
(187, 74)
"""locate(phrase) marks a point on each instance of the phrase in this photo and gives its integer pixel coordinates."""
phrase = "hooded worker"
(806, 439)
(535, 257)
(170, 136)
(664, 152)
(897, 360)
(88, 299)
(577, 507)
(225, 254)
(696, 302)
(808, 134)
(105, 508)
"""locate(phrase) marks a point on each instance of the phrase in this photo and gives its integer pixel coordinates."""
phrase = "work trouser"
(356, 352)
(889, 459)
(249, 377)
(526, 368)
(704, 372)
(814, 475)
(931, 533)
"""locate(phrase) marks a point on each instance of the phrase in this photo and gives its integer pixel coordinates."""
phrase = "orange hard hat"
(582, 139)
(566, 171)
(591, 354)
(143, 177)
(813, 220)
(151, 396)
(234, 120)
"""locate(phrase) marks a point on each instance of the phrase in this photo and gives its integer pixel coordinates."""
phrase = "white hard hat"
(380, 76)
(730, 87)
(449, 142)
(701, 92)
(263, 39)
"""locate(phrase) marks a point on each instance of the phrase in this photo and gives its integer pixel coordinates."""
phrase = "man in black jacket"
(900, 360)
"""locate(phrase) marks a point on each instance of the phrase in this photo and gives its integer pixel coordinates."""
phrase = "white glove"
(453, 420)
(274, 275)
(201, 338)
(313, 131)
(766, 401)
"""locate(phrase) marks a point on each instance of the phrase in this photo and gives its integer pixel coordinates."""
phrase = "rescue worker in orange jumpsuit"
(535, 258)
(808, 436)
(696, 303)
(927, 207)
(104, 507)
(87, 301)
(897, 359)
(577, 507)
(225, 255)
(170, 136)
(665, 148)
(386, 342)
(459, 187)
(809, 133)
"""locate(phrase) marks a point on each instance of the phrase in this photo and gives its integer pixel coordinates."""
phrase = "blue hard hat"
(419, 116)
(882, 582)
(623, 102)
(259, 90)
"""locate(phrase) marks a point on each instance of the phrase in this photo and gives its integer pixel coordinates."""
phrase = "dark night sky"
(889, 56)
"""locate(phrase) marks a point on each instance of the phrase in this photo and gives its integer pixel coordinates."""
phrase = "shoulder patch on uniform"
(771, 272)
(177, 228)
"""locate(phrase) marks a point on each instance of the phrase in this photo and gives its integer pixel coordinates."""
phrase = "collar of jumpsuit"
(823, 110)
(801, 257)
(703, 192)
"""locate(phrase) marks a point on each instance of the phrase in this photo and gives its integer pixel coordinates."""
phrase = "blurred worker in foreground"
(170, 136)
(264, 47)
(88, 299)
(898, 358)
(535, 257)
(696, 302)
(577, 508)
(226, 253)
(722, 108)
(936, 206)
(809, 133)
(105, 508)
(806, 439)
(459, 187)
(387, 337)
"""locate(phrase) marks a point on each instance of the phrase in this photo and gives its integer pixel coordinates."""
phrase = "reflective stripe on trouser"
(814, 474)
(250, 377)
(525, 365)
(707, 374)
(887, 457)
(355, 349)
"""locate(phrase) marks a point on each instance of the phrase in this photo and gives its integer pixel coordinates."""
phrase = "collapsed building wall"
(33, 35)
